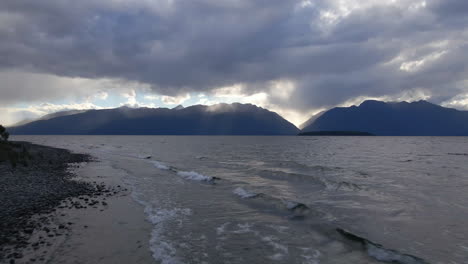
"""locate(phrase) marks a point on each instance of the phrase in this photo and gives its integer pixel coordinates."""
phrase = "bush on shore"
(9, 151)
(3, 133)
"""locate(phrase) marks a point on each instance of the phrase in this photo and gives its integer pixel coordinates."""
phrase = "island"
(335, 133)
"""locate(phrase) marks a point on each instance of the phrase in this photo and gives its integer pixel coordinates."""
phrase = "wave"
(345, 186)
(298, 210)
(160, 165)
(195, 176)
(321, 181)
(162, 250)
(281, 249)
(282, 164)
(291, 209)
(458, 154)
(188, 175)
(289, 176)
(244, 193)
(407, 160)
(295, 206)
(380, 253)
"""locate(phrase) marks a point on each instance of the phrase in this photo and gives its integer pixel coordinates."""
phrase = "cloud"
(12, 115)
(294, 56)
(18, 87)
(459, 101)
(175, 100)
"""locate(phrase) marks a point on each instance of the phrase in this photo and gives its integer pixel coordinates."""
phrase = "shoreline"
(88, 215)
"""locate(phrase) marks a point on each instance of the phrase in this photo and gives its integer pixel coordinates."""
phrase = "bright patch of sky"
(142, 97)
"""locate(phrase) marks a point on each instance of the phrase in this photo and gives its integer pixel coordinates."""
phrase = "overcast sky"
(293, 57)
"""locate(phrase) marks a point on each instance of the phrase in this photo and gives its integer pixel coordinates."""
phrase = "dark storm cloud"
(372, 48)
(449, 7)
(191, 44)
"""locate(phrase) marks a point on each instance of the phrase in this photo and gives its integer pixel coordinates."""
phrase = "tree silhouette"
(3, 133)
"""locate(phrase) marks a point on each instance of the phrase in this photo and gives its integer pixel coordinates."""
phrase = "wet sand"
(117, 233)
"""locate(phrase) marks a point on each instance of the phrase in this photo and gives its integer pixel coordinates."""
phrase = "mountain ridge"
(219, 119)
(419, 118)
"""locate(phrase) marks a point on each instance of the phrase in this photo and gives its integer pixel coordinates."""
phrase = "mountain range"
(220, 119)
(419, 118)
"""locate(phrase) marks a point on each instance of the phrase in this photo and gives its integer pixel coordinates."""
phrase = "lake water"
(229, 199)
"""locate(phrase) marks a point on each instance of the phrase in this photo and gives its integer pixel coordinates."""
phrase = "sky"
(295, 57)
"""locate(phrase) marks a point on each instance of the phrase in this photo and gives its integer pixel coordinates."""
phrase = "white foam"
(310, 256)
(162, 250)
(244, 228)
(280, 229)
(244, 193)
(194, 176)
(160, 165)
(282, 250)
(222, 228)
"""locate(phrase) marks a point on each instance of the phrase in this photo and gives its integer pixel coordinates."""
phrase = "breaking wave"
(187, 175)
(162, 250)
(244, 193)
(195, 176)
(160, 165)
(380, 253)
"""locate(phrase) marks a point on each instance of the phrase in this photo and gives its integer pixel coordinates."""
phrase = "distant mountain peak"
(377, 102)
(367, 103)
(125, 107)
(179, 107)
(403, 104)
(234, 107)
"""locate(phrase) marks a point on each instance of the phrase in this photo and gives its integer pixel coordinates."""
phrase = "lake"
(242, 199)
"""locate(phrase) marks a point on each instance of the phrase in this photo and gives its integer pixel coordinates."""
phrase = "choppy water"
(282, 199)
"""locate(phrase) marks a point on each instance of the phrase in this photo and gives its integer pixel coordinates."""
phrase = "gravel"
(39, 185)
